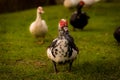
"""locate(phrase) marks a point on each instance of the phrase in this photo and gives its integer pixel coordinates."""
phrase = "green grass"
(22, 59)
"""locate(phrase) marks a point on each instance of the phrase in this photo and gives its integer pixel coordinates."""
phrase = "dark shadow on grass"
(99, 70)
(92, 30)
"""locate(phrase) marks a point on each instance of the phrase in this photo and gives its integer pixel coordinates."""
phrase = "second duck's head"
(40, 10)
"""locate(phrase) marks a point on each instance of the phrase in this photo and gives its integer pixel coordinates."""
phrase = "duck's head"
(63, 25)
(81, 3)
(40, 10)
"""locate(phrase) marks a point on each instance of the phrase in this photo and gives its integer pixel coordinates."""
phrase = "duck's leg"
(55, 67)
(70, 65)
(40, 40)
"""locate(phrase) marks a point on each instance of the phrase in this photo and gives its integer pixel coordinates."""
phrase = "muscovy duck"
(63, 49)
(116, 34)
(79, 19)
(39, 28)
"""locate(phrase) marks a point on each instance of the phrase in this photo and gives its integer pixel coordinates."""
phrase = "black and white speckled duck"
(63, 49)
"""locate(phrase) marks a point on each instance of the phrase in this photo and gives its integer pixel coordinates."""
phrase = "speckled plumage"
(62, 49)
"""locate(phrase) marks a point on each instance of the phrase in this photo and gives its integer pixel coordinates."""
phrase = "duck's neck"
(38, 17)
(79, 9)
(62, 34)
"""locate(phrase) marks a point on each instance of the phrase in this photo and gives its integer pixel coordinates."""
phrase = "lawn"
(21, 58)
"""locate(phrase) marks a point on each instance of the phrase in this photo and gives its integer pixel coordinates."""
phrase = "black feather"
(71, 43)
(53, 43)
(79, 19)
(117, 34)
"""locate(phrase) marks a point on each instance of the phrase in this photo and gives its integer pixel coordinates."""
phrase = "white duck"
(39, 28)
(89, 2)
(73, 3)
(70, 3)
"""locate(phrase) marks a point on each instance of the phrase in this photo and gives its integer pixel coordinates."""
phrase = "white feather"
(38, 28)
(90, 2)
(70, 3)
(60, 56)
(73, 3)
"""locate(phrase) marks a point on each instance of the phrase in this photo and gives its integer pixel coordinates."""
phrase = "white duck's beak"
(41, 12)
